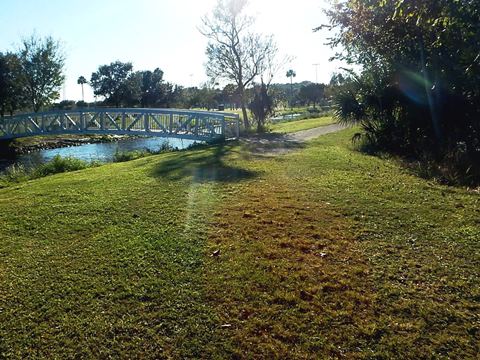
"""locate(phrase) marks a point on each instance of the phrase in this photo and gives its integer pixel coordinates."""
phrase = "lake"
(103, 152)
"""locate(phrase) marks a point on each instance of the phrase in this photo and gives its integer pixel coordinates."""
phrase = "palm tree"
(291, 74)
(81, 80)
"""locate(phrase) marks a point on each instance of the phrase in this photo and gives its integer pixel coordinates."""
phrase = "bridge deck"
(185, 124)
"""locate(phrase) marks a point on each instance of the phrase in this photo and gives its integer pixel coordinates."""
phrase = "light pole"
(316, 72)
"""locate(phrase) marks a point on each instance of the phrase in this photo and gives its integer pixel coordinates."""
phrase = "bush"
(60, 165)
(14, 174)
(417, 92)
(20, 173)
(128, 155)
(122, 156)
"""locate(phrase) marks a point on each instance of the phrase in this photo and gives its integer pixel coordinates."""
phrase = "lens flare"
(413, 85)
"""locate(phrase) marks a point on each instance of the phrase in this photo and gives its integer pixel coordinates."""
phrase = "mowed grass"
(218, 253)
(299, 125)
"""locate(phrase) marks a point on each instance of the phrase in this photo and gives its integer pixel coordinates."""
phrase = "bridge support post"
(124, 121)
(82, 121)
(224, 127)
(146, 124)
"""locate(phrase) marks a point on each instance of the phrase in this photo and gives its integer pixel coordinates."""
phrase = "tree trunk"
(246, 123)
(291, 93)
(243, 104)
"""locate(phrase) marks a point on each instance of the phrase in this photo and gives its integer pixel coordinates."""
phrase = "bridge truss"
(185, 124)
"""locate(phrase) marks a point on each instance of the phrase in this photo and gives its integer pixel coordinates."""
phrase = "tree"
(11, 97)
(207, 97)
(110, 81)
(229, 96)
(234, 52)
(81, 81)
(261, 106)
(291, 74)
(420, 65)
(81, 104)
(130, 91)
(64, 105)
(42, 64)
(154, 89)
(312, 93)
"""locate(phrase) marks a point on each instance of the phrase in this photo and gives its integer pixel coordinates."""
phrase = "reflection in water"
(103, 152)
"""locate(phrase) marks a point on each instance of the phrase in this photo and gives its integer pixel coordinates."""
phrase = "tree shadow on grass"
(270, 144)
(202, 166)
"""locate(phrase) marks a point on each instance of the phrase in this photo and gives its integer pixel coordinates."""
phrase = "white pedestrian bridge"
(169, 123)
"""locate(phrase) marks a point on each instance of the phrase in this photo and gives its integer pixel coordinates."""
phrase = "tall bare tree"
(234, 52)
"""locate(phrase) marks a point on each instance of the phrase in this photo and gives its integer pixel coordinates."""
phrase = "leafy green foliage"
(112, 82)
(261, 106)
(312, 93)
(418, 93)
(42, 63)
(60, 165)
(20, 173)
(11, 95)
(137, 154)
(121, 86)
(155, 92)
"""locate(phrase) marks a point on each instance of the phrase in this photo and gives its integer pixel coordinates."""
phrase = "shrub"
(14, 173)
(122, 156)
(60, 165)
(128, 155)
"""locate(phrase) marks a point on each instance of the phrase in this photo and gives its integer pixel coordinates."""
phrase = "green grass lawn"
(299, 125)
(218, 253)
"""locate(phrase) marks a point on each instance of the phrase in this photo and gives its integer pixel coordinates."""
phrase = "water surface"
(103, 152)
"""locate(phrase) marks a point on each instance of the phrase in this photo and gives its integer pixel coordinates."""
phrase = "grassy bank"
(299, 125)
(218, 252)
(15, 174)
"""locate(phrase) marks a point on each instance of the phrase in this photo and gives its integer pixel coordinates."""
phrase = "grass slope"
(299, 125)
(214, 253)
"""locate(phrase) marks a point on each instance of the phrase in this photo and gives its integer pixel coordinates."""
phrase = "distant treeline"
(31, 79)
(148, 89)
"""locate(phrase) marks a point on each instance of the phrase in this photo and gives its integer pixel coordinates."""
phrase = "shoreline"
(29, 145)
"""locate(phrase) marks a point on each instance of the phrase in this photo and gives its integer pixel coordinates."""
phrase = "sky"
(161, 33)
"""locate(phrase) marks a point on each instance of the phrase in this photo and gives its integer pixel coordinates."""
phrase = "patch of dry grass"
(289, 279)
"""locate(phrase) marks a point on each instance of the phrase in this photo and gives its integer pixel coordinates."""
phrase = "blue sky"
(159, 33)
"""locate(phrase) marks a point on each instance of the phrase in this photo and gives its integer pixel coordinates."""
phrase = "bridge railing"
(195, 125)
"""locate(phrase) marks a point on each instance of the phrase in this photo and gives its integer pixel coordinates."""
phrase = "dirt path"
(273, 144)
(310, 134)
